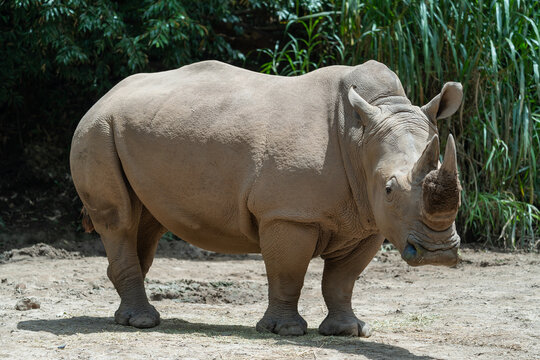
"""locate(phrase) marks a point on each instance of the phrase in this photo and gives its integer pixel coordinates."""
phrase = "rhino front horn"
(449, 165)
(441, 191)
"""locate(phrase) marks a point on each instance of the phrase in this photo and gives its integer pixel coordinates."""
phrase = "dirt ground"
(488, 307)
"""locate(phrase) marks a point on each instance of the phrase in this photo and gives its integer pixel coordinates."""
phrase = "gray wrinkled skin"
(325, 164)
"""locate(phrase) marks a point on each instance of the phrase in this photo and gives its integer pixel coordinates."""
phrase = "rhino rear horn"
(429, 159)
(365, 110)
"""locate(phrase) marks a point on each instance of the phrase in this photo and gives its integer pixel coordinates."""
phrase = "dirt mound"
(179, 249)
(27, 304)
(70, 241)
(40, 243)
(37, 251)
(173, 247)
(214, 292)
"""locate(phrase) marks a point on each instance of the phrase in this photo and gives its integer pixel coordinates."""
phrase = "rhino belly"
(196, 188)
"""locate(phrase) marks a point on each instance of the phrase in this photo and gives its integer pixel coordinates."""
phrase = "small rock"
(20, 287)
(27, 304)
(4, 281)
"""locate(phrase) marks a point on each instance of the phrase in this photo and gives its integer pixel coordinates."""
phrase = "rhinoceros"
(326, 164)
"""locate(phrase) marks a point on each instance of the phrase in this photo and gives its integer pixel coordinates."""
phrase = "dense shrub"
(60, 56)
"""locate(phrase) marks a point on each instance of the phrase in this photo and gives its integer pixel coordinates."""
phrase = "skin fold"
(325, 164)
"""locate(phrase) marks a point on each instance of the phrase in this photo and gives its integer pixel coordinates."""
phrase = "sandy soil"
(488, 307)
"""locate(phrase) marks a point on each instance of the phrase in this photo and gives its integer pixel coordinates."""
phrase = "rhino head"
(414, 198)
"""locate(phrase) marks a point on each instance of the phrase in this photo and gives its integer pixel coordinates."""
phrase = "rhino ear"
(365, 110)
(446, 103)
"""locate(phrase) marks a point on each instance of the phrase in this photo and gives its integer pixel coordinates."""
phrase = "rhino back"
(211, 150)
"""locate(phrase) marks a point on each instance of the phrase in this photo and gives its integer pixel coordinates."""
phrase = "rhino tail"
(87, 224)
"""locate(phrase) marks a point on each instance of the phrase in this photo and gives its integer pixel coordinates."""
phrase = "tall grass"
(492, 48)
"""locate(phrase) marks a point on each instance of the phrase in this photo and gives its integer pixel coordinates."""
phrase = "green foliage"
(492, 48)
(60, 56)
(301, 55)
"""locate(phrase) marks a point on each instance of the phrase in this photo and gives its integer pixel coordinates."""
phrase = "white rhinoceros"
(325, 164)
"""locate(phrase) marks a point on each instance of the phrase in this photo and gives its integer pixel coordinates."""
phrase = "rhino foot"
(294, 326)
(145, 317)
(344, 325)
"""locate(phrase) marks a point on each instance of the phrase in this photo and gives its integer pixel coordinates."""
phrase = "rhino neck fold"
(354, 170)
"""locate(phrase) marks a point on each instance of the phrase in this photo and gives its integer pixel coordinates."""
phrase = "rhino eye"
(389, 188)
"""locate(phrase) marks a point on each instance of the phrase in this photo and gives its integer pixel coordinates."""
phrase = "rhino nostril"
(409, 252)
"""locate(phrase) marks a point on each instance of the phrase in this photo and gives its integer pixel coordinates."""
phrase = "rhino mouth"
(419, 252)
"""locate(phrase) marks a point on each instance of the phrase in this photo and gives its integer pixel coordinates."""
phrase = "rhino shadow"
(349, 345)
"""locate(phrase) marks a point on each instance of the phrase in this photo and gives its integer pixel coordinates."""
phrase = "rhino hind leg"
(130, 252)
(125, 273)
(116, 214)
(287, 249)
(148, 234)
(135, 310)
(339, 276)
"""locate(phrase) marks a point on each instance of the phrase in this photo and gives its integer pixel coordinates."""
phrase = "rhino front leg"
(339, 276)
(286, 248)
(126, 275)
